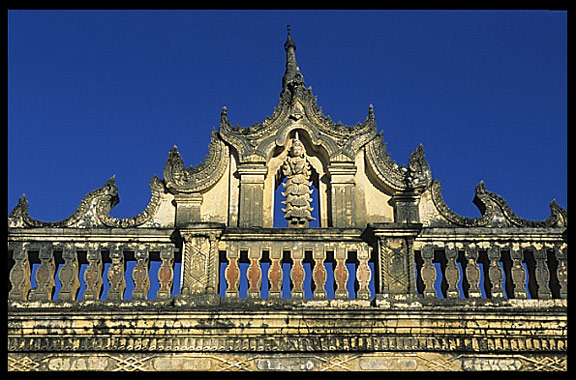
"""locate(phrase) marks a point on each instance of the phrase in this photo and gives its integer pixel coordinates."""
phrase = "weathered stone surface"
(391, 280)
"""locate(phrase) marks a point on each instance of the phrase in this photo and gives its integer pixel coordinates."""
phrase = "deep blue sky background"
(97, 93)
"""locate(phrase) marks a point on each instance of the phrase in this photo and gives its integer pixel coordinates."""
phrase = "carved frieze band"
(285, 343)
(372, 361)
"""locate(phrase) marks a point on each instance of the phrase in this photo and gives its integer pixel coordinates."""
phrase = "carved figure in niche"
(296, 168)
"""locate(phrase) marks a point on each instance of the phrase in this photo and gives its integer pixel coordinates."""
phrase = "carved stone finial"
(289, 42)
(297, 170)
(292, 76)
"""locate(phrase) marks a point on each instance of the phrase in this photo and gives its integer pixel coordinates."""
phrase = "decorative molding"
(297, 109)
(222, 361)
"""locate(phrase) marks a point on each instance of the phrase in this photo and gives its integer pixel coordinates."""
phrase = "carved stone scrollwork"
(196, 178)
(93, 210)
(495, 211)
(398, 178)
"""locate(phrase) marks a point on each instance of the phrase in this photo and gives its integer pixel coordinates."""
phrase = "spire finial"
(289, 43)
(292, 76)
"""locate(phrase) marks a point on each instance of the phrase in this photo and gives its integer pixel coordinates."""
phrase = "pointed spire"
(289, 43)
(292, 76)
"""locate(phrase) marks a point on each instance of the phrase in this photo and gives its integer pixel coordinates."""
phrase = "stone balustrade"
(309, 270)
(274, 263)
(536, 270)
(70, 270)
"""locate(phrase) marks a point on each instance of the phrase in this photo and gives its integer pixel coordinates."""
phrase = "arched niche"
(318, 158)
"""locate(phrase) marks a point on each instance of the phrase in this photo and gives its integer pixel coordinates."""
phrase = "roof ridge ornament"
(292, 77)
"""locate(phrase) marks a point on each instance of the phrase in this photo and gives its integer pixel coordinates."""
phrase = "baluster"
(495, 272)
(428, 271)
(297, 273)
(472, 271)
(116, 274)
(562, 270)
(232, 272)
(363, 273)
(20, 273)
(517, 272)
(93, 274)
(451, 272)
(44, 275)
(254, 272)
(275, 273)
(140, 274)
(541, 271)
(340, 273)
(68, 274)
(319, 273)
(166, 273)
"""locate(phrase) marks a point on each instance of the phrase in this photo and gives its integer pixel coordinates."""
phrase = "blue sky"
(93, 94)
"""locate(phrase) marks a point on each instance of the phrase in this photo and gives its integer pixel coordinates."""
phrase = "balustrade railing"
(44, 271)
(276, 264)
(491, 270)
(307, 270)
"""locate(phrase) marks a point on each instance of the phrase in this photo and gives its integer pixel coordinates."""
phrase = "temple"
(373, 271)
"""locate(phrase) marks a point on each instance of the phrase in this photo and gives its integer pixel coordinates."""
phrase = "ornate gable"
(356, 180)
(391, 280)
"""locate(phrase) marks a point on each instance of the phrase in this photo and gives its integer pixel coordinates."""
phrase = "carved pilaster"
(251, 203)
(406, 207)
(395, 257)
(200, 258)
(342, 194)
(187, 208)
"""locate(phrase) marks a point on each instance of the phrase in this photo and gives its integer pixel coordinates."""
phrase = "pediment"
(297, 109)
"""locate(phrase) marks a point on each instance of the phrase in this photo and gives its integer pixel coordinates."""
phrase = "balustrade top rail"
(274, 263)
